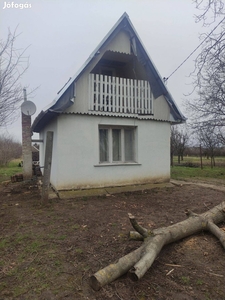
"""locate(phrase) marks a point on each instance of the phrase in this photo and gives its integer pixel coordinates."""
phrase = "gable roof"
(65, 97)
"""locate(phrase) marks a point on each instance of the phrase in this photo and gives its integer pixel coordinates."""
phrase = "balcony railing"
(120, 95)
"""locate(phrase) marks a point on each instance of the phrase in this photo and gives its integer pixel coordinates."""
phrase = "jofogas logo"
(8, 5)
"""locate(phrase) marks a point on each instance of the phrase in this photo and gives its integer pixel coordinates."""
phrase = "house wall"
(75, 161)
(77, 153)
(161, 109)
(120, 43)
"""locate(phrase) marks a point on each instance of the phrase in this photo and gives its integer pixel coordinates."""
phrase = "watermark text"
(8, 5)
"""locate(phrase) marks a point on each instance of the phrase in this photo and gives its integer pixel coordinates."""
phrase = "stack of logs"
(17, 177)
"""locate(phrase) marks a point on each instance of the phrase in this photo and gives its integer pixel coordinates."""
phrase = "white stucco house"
(112, 120)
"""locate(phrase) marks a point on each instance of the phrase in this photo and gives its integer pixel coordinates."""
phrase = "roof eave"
(43, 119)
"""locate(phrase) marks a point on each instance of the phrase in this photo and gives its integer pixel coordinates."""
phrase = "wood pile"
(17, 177)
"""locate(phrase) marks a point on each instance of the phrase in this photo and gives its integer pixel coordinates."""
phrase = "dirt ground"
(50, 252)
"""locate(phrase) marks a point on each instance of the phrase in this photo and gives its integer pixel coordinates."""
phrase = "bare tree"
(209, 10)
(208, 107)
(13, 64)
(208, 138)
(179, 141)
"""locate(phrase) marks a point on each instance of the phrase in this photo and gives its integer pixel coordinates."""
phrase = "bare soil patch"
(50, 252)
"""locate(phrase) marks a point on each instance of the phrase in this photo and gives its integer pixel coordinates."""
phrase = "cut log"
(140, 260)
(17, 177)
(113, 271)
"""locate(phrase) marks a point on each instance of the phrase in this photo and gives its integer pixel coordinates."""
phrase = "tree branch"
(141, 259)
(143, 231)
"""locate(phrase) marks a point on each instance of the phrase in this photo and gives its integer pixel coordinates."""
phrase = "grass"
(185, 280)
(188, 172)
(190, 168)
(7, 171)
(199, 282)
(181, 171)
(26, 263)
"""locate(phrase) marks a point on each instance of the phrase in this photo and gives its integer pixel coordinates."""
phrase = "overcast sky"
(63, 33)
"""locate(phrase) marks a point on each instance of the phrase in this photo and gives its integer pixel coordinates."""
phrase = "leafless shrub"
(9, 149)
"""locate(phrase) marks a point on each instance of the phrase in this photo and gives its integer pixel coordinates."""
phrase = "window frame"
(122, 145)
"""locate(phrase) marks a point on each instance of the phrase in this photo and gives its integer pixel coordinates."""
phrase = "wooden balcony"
(120, 95)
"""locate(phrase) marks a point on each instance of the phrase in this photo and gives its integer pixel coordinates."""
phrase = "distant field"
(219, 160)
(11, 169)
(190, 168)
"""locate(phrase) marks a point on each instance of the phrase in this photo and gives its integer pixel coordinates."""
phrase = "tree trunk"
(200, 150)
(140, 260)
(182, 156)
(171, 158)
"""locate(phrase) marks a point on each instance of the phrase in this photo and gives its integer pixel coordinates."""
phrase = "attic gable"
(118, 43)
(135, 47)
(122, 50)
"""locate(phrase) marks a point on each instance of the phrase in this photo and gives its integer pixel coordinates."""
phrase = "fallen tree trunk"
(140, 260)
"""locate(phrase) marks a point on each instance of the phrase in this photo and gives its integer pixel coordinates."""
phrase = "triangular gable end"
(65, 97)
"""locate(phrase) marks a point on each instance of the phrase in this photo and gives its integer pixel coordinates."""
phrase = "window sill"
(117, 164)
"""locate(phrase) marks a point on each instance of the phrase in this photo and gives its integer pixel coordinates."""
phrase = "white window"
(117, 144)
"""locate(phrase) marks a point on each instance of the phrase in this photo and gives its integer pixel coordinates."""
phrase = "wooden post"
(200, 148)
(47, 166)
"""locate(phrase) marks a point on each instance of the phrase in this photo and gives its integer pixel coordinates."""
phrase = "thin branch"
(143, 231)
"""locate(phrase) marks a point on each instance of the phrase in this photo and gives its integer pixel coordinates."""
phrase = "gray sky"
(63, 33)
